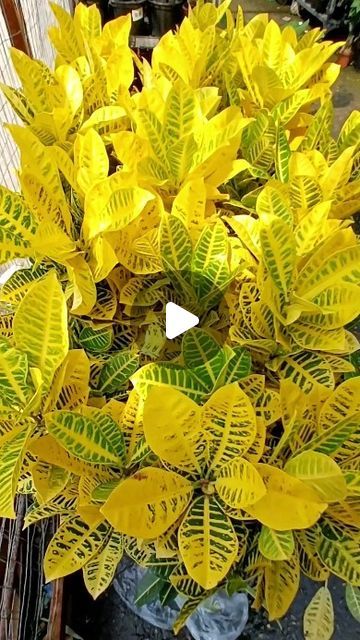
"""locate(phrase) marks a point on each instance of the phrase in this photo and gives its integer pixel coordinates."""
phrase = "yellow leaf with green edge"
(210, 272)
(190, 205)
(181, 112)
(319, 616)
(147, 503)
(17, 226)
(35, 79)
(311, 337)
(106, 121)
(51, 451)
(319, 472)
(288, 504)
(343, 402)
(19, 103)
(70, 387)
(282, 580)
(334, 440)
(179, 441)
(256, 450)
(310, 228)
(276, 545)
(95, 439)
(48, 480)
(63, 504)
(99, 571)
(43, 308)
(248, 231)
(324, 271)
(279, 252)
(307, 370)
(52, 242)
(82, 285)
(207, 542)
(15, 388)
(91, 159)
(13, 443)
(17, 285)
(132, 422)
(342, 557)
(273, 202)
(73, 545)
(336, 306)
(229, 420)
(110, 205)
(41, 187)
(238, 483)
(310, 563)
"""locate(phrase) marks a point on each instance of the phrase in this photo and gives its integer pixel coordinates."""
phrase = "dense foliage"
(230, 457)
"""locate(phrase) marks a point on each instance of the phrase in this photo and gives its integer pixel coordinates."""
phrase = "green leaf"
(148, 589)
(239, 366)
(117, 371)
(352, 596)
(95, 439)
(163, 374)
(279, 252)
(209, 267)
(17, 226)
(276, 545)
(96, 340)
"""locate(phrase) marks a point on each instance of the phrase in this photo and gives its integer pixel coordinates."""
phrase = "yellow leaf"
(100, 570)
(238, 483)
(91, 159)
(147, 503)
(73, 544)
(321, 473)
(282, 579)
(110, 205)
(319, 616)
(230, 423)
(43, 308)
(207, 541)
(180, 440)
(288, 504)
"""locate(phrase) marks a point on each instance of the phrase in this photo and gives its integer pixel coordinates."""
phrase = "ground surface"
(109, 618)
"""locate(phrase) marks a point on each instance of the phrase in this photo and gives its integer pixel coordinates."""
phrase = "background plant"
(213, 186)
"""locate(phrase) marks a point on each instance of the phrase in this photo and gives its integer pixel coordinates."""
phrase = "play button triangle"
(178, 320)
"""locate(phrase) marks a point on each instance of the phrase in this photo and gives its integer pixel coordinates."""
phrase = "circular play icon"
(189, 291)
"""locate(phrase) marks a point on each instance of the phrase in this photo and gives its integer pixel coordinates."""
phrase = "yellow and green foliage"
(230, 457)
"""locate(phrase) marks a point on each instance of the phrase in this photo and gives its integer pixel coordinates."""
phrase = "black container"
(137, 8)
(165, 15)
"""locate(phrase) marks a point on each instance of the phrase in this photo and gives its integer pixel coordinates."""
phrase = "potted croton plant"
(230, 455)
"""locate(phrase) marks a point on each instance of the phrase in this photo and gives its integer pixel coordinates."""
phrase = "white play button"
(178, 320)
